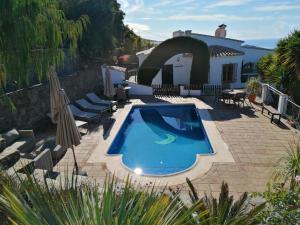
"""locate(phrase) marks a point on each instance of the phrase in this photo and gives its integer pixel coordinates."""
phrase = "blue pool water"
(161, 139)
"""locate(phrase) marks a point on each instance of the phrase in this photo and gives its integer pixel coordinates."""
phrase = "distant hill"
(152, 42)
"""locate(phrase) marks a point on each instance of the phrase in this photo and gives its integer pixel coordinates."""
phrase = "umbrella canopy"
(67, 134)
(54, 89)
(109, 89)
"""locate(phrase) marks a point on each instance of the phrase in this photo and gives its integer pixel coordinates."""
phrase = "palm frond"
(289, 166)
(224, 210)
(192, 193)
(33, 202)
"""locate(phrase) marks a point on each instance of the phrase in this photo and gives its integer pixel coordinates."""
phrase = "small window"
(249, 68)
(229, 73)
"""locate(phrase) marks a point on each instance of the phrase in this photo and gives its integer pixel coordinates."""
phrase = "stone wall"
(32, 104)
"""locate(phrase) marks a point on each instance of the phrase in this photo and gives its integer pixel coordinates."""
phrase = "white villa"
(231, 61)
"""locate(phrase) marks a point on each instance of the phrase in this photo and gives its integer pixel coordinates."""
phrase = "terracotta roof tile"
(220, 51)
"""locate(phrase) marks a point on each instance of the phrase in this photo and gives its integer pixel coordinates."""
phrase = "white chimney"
(188, 32)
(178, 33)
(221, 31)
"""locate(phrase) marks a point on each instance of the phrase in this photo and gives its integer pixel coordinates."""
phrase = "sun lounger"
(93, 98)
(83, 115)
(87, 106)
(79, 123)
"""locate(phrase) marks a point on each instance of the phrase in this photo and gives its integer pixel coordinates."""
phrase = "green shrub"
(283, 207)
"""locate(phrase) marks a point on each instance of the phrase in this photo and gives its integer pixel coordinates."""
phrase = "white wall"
(216, 70)
(158, 78)
(141, 58)
(182, 69)
(143, 55)
(253, 54)
(182, 66)
(117, 76)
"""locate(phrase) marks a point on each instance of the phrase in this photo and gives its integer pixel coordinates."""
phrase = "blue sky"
(260, 22)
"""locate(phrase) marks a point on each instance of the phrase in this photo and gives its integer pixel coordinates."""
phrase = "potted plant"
(293, 122)
(253, 86)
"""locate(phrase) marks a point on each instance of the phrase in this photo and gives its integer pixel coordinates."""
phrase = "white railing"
(273, 96)
(293, 114)
(282, 103)
(213, 90)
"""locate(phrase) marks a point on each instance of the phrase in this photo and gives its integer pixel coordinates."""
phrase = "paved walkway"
(254, 142)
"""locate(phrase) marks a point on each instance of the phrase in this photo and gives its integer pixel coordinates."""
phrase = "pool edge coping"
(202, 165)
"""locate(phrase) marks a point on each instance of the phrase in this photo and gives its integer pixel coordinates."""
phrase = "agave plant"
(32, 202)
(226, 210)
(289, 166)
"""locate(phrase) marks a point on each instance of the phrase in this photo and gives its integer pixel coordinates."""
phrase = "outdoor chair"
(22, 140)
(96, 100)
(56, 151)
(15, 144)
(80, 124)
(9, 157)
(83, 115)
(240, 99)
(87, 106)
(224, 97)
(27, 165)
(44, 160)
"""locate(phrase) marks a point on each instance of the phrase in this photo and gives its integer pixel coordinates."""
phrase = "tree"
(105, 30)
(33, 35)
(288, 51)
(107, 35)
(282, 68)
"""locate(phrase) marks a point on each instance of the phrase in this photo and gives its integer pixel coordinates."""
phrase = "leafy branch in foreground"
(225, 210)
(289, 167)
(31, 202)
(33, 34)
(283, 194)
(283, 206)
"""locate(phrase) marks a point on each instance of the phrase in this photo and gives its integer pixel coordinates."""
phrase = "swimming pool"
(161, 139)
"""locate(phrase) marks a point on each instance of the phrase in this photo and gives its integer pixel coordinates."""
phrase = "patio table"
(233, 92)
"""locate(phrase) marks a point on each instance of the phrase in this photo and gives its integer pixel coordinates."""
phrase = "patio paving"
(254, 142)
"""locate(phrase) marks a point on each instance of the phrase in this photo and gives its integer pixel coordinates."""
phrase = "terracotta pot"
(292, 123)
(252, 98)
